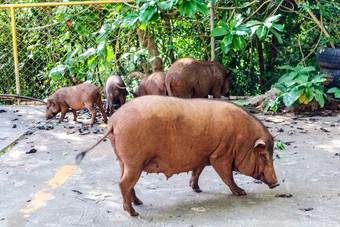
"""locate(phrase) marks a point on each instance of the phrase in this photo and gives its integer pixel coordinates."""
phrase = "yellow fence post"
(15, 53)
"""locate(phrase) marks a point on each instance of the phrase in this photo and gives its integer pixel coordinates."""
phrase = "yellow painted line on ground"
(40, 198)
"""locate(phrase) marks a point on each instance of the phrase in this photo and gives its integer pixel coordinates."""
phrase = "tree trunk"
(148, 42)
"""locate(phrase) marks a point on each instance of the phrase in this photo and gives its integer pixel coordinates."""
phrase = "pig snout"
(271, 182)
(274, 185)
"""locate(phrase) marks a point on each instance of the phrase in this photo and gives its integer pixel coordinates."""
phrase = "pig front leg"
(63, 113)
(74, 115)
(223, 167)
(194, 178)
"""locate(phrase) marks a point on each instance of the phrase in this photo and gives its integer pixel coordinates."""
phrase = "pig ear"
(50, 102)
(275, 135)
(259, 144)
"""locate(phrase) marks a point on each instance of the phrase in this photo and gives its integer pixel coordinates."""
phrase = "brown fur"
(78, 97)
(159, 134)
(115, 91)
(153, 84)
(190, 78)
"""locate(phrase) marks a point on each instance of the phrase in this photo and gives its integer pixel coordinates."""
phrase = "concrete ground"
(40, 184)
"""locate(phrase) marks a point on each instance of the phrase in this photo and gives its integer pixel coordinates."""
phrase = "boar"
(78, 97)
(153, 84)
(190, 78)
(160, 134)
(115, 91)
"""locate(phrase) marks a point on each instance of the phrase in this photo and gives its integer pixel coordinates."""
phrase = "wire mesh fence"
(60, 46)
(63, 45)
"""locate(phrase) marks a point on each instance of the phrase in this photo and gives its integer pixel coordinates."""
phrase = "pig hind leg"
(223, 167)
(100, 105)
(92, 110)
(128, 181)
(133, 196)
(194, 178)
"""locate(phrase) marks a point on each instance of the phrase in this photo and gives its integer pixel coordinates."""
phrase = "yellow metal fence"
(36, 38)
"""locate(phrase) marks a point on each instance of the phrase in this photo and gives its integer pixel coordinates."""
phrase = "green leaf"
(281, 87)
(238, 43)
(319, 78)
(239, 103)
(302, 78)
(287, 67)
(226, 42)
(219, 31)
(252, 23)
(165, 5)
(288, 77)
(188, 8)
(320, 97)
(278, 27)
(148, 14)
(333, 90)
(272, 19)
(307, 69)
(90, 52)
(241, 30)
(261, 32)
(293, 95)
(59, 70)
(278, 36)
(202, 8)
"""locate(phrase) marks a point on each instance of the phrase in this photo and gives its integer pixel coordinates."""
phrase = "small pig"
(153, 84)
(160, 134)
(78, 97)
(115, 91)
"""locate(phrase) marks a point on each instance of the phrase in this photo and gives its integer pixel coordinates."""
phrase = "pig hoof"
(133, 213)
(137, 201)
(239, 192)
(197, 189)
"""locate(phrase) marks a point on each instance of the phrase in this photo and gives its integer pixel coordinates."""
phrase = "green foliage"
(151, 11)
(336, 92)
(233, 34)
(263, 28)
(298, 87)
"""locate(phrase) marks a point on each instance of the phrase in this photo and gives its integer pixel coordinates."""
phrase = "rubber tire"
(334, 80)
(328, 57)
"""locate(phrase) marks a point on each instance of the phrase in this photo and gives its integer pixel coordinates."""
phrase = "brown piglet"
(115, 91)
(78, 97)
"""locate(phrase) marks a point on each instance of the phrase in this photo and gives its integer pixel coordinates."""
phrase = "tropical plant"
(298, 87)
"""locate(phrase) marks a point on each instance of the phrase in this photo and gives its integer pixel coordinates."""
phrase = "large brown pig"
(159, 134)
(115, 91)
(78, 97)
(190, 78)
(153, 84)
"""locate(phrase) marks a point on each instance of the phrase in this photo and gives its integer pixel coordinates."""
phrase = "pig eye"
(263, 156)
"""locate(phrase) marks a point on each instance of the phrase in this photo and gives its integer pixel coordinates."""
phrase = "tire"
(333, 80)
(328, 57)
